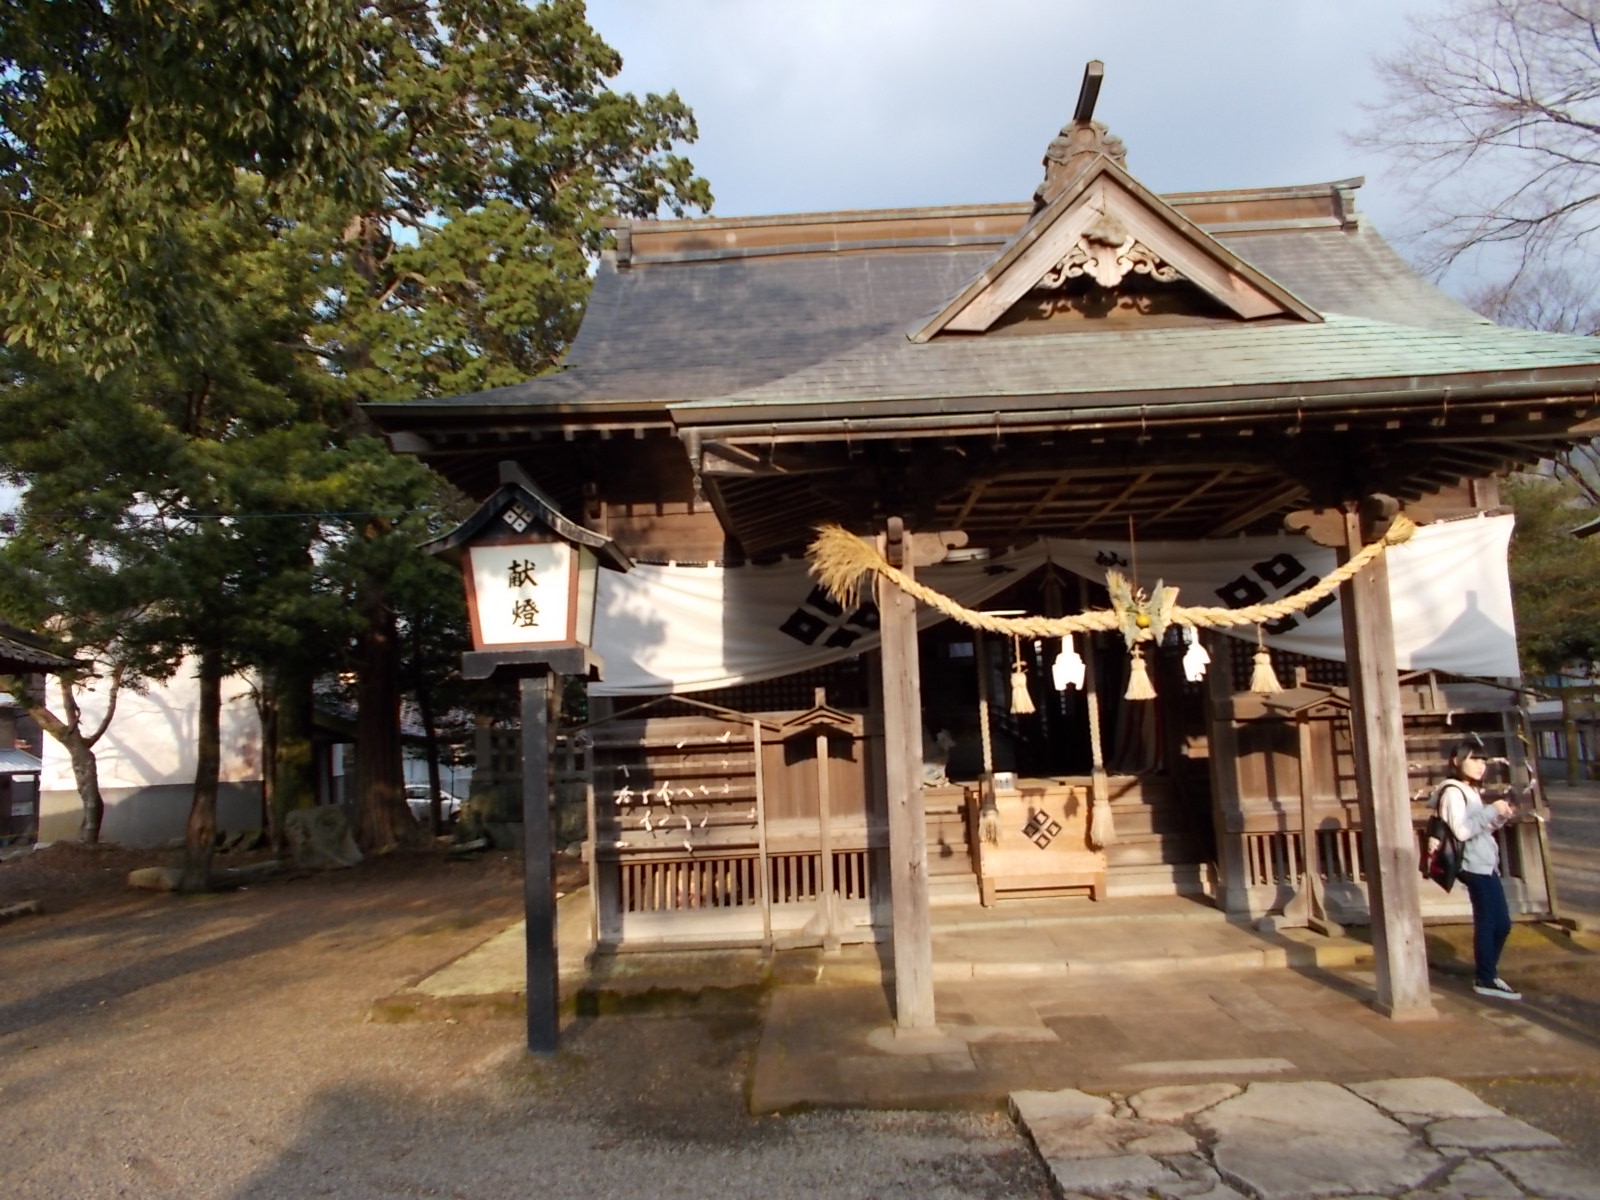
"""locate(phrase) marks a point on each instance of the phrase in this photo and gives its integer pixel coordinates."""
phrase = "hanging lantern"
(1196, 658)
(1069, 668)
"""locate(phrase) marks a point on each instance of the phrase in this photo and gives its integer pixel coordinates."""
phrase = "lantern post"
(531, 577)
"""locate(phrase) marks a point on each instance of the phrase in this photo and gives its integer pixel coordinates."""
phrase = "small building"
(1011, 399)
(25, 657)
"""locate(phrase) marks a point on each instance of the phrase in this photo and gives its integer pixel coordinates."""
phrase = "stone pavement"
(1195, 1058)
(838, 1047)
(1277, 1141)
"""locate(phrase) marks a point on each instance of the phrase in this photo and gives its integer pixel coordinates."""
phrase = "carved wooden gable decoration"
(1103, 245)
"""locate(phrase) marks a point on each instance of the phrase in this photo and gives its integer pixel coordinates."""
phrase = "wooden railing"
(1275, 858)
(671, 885)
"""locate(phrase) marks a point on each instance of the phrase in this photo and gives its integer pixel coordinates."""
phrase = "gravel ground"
(218, 1046)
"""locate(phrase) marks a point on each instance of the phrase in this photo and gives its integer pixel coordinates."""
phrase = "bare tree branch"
(1493, 110)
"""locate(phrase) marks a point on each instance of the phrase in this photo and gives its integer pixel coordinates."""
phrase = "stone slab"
(1107, 1137)
(1030, 1106)
(1428, 1098)
(1498, 1132)
(1476, 1180)
(1197, 1180)
(1179, 1102)
(1551, 1174)
(1106, 1174)
(1314, 1139)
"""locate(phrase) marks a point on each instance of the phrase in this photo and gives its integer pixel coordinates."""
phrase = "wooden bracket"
(894, 543)
(1378, 512)
(1325, 526)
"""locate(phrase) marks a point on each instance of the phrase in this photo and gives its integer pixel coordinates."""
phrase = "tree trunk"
(430, 734)
(292, 770)
(79, 746)
(86, 774)
(382, 818)
(267, 711)
(201, 835)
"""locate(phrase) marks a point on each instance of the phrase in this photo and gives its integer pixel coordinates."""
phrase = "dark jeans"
(1491, 922)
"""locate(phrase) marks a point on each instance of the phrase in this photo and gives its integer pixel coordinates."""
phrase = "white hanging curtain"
(685, 629)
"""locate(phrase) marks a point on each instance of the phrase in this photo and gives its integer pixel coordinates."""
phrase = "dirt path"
(218, 1046)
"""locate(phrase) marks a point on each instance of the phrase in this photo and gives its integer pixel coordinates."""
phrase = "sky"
(820, 105)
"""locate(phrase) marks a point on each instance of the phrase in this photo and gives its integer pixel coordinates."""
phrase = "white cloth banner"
(685, 629)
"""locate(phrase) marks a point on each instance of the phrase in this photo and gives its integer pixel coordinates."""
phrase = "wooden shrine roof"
(22, 653)
(769, 365)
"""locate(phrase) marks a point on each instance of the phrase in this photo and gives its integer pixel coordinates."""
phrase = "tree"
(1492, 114)
(72, 563)
(119, 118)
(502, 152)
(150, 488)
(403, 199)
(1555, 578)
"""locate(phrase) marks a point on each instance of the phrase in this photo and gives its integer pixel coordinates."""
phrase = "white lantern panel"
(521, 594)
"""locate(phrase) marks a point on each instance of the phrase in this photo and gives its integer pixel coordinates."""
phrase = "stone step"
(953, 889)
(1167, 879)
(1151, 849)
(1141, 818)
(949, 860)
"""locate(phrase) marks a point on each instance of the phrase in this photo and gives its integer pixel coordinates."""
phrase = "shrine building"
(1056, 408)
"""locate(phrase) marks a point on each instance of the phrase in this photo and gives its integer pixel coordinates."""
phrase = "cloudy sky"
(813, 105)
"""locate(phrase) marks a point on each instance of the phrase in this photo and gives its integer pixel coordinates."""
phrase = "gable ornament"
(1107, 253)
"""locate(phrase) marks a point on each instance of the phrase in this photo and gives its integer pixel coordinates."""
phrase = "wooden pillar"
(1233, 887)
(908, 834)
(1376, 730)
(1569, 736)
(538, 885)
(825, 882)
(1099, 785)
(763, 860)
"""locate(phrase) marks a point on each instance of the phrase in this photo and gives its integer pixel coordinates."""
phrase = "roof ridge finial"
(1082, 138)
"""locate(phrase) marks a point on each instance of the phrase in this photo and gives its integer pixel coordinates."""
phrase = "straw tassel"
(1262, 678)
(989, 820)
(1139, 685)
(1102, 830)
(1069, 668)
(1021, 699)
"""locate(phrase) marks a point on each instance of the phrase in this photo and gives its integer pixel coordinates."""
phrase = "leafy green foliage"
(120, 120)
(1555, 577)
(222, 228)
(502, 154)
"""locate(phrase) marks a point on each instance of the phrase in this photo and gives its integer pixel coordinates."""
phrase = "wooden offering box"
(1043, 849)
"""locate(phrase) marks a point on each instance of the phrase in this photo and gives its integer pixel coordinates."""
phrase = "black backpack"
(1441, 854)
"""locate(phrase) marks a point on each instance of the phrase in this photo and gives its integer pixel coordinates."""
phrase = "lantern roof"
(516, 488)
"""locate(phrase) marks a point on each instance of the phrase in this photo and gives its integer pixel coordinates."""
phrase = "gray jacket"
(1474, 822)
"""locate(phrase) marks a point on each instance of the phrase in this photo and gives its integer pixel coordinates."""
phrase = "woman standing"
(1474, 823)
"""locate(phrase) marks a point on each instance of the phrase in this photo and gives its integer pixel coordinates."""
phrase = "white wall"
(147, 762)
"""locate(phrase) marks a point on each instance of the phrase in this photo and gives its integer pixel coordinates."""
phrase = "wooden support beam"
(902, 752)
(1189, 496)
(1378, 740)
(1138, 481)
(973, 496)
(1256, 509)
